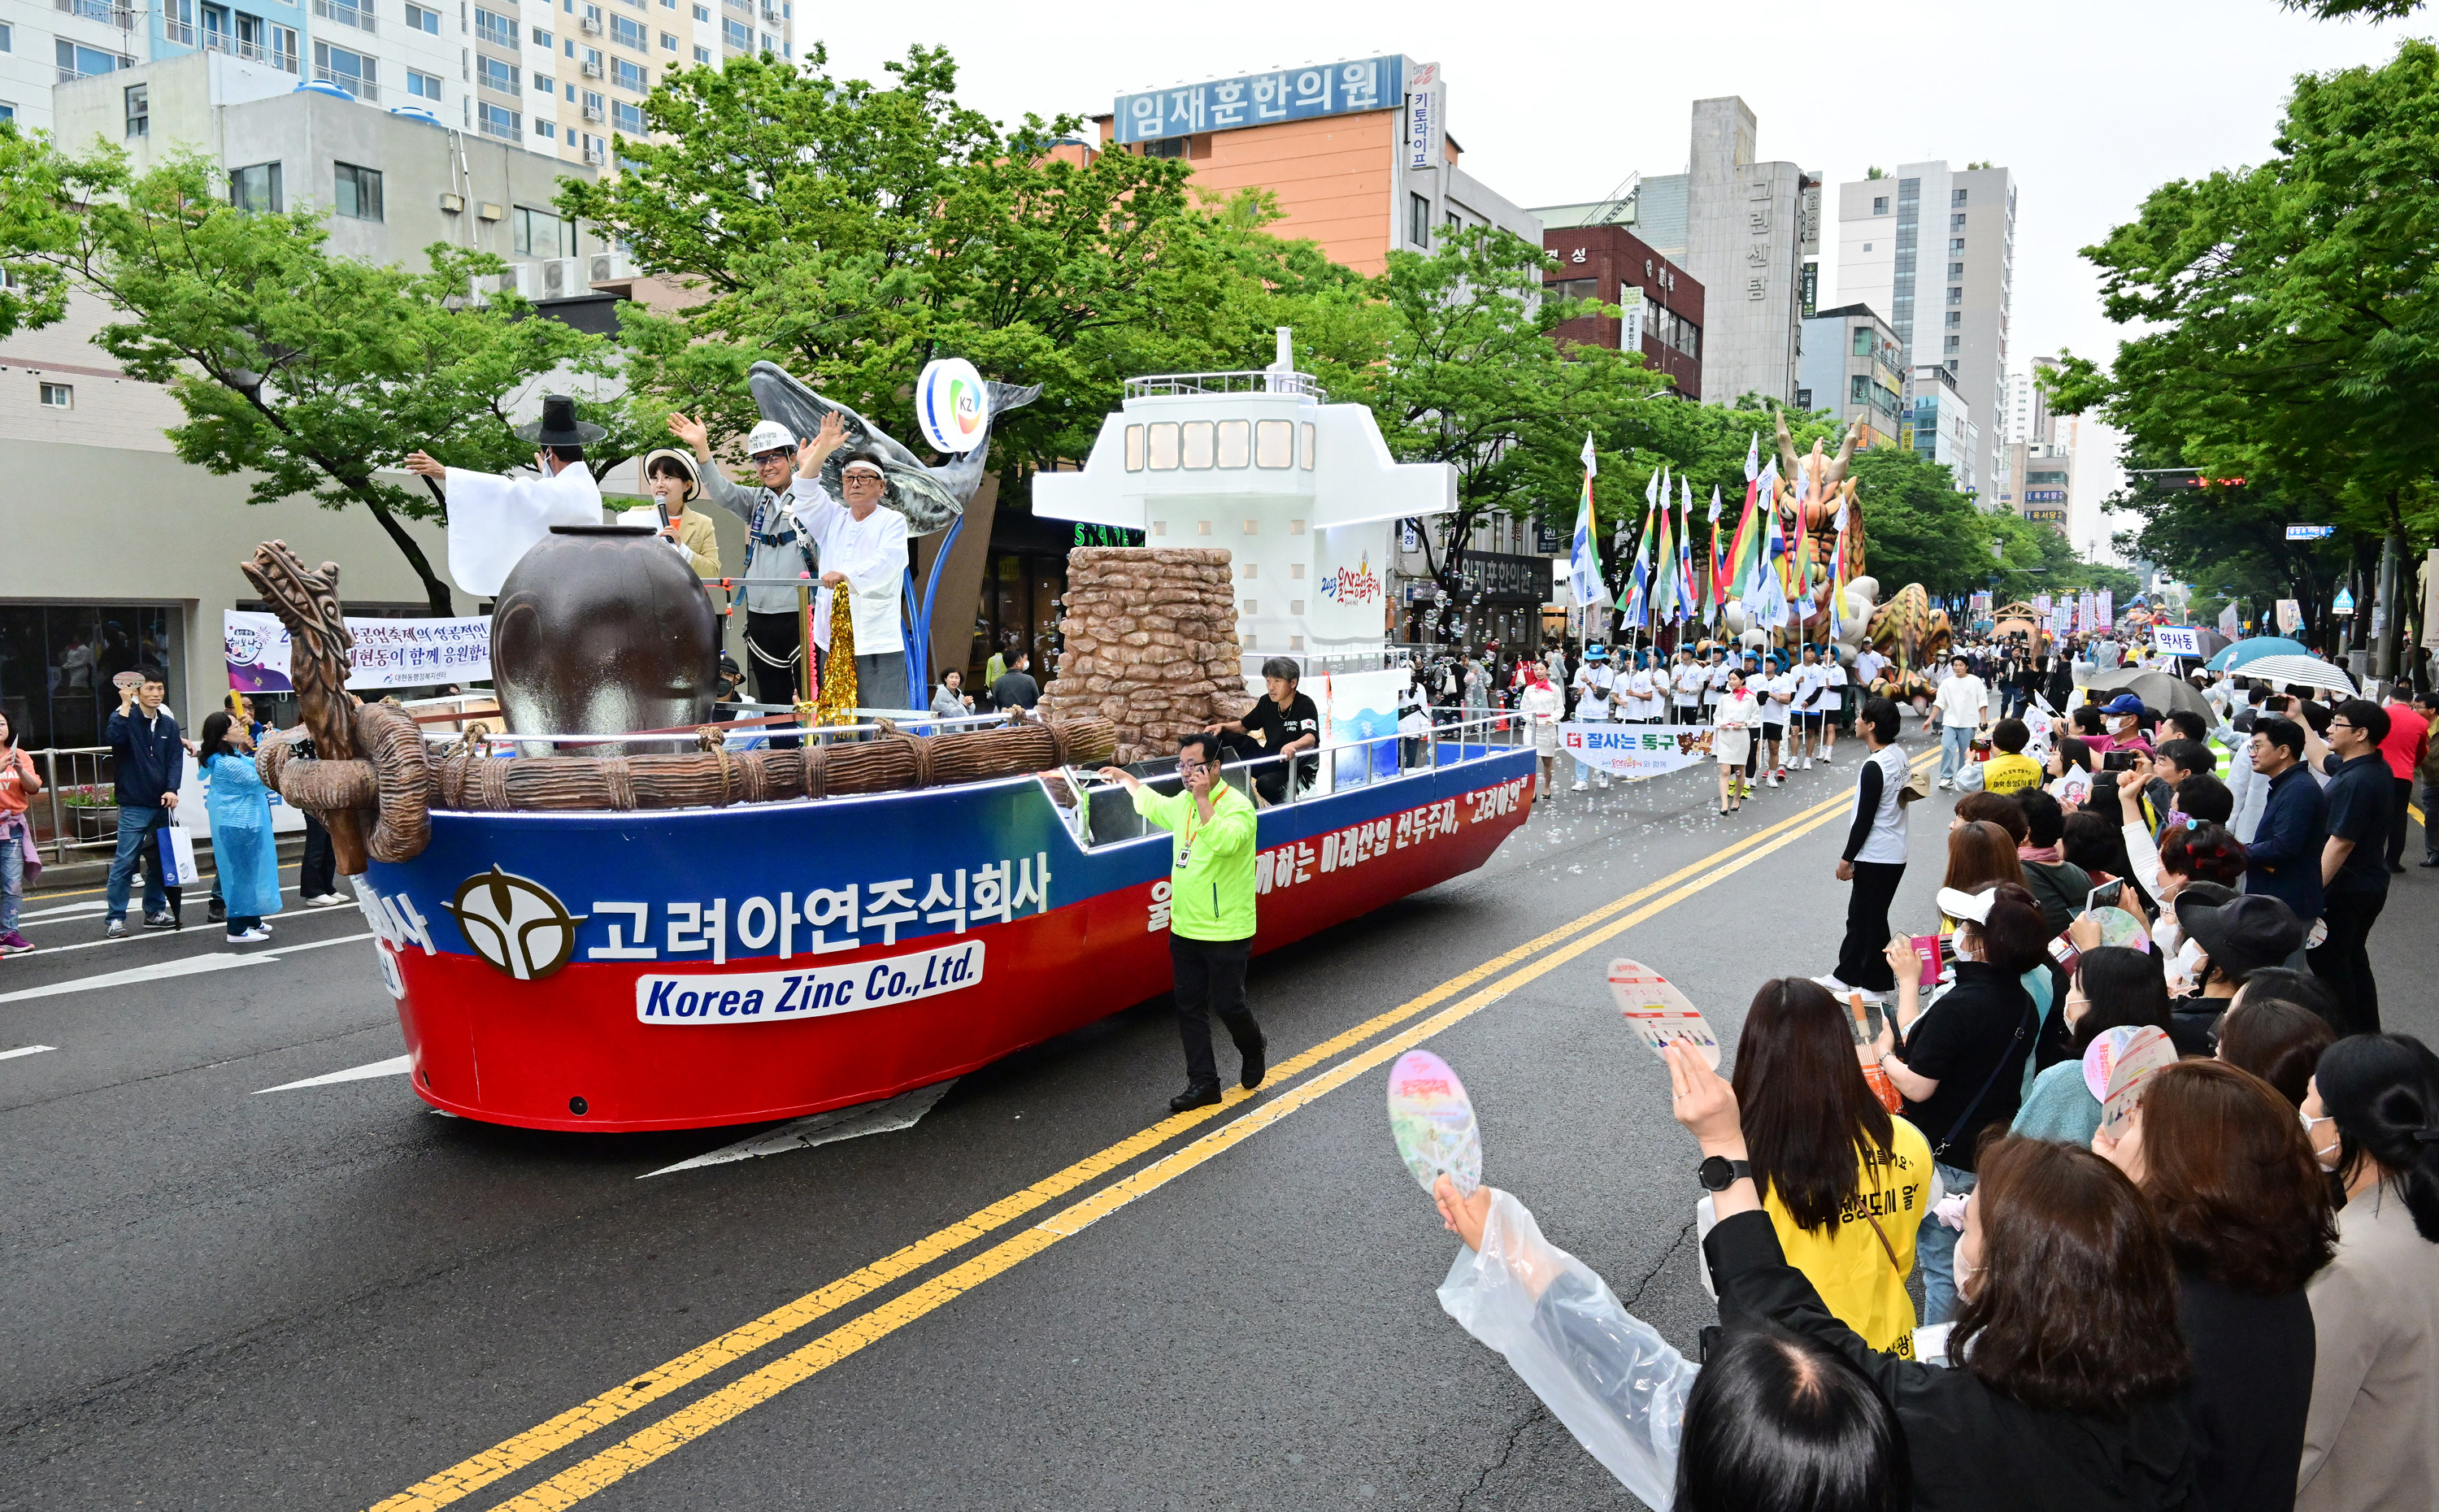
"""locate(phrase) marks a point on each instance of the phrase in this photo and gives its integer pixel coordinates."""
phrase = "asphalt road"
(217, 1296)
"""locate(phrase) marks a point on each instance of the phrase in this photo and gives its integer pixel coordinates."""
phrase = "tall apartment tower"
(2028, 409)
(554, 76)
(1936, 249)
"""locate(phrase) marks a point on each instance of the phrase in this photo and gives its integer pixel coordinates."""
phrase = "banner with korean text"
(387, 652)
(1637, 750)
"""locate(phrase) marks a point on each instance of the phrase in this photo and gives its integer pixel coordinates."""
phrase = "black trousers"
(1862, 956)
(773, 642)
(1210, 978)
(2343, 959)
(319, 876)
(2399, 821)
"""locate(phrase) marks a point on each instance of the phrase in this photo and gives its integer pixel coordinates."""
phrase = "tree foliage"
(853, 231)
(310, 372)
(2291, 328)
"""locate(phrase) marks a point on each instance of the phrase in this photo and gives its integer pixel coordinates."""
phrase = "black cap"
(2248, 931)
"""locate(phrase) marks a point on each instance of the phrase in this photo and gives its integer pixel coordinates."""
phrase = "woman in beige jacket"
(2372, 1442)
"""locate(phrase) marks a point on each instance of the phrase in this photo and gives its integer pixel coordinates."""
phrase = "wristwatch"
(1718, 1173)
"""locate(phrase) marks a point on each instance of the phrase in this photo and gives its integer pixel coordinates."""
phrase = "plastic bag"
(1608, 1376)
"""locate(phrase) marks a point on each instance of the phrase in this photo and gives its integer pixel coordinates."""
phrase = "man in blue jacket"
(150, 762)
(2283, 860)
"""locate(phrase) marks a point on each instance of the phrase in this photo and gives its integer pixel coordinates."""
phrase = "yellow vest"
(1845, 1260)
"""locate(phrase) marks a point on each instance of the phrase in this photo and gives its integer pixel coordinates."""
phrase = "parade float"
(1811, 500)
(609, 913)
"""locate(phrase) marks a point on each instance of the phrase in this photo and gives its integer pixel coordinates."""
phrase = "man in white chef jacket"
(862, 549)
(494, 520)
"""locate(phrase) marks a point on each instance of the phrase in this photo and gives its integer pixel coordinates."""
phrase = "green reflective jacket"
(1211, 878)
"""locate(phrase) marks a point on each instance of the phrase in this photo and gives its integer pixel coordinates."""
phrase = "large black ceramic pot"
(603, 628)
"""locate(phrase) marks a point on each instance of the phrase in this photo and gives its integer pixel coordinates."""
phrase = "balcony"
(364, 90)
(506, 130)
(123, 17)
(1258, 380)
(347, 15)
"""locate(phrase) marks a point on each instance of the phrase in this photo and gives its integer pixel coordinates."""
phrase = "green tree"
(310, 372)
(853, 231)
(1471, 377)
(2292, 321)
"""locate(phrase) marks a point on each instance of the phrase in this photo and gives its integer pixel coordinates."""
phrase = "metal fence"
(75, 811)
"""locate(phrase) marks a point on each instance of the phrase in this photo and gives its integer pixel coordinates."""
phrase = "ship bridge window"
(1134, 449)
(1197, 444)
(1295, 528)
(1235, 443)
(1275, 444)
(1163, 439)
(1252, 527)
(1309, 439)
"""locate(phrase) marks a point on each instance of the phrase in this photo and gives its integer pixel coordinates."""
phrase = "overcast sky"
(2090, 102)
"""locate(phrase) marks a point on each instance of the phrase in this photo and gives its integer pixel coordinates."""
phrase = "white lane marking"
(26, 1050)
(69, 913)
(887, 1116)
(394, 1066)
(184, 966)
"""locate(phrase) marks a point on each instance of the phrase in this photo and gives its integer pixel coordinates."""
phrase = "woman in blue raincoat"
(242, 849)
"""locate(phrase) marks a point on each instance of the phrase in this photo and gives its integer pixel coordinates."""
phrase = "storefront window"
(57, 662)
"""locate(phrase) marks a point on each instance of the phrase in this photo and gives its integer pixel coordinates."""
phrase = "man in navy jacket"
(150, 762)
(2285, 855)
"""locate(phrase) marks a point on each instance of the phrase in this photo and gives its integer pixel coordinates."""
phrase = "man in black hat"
(494, 521)
(2239, 933)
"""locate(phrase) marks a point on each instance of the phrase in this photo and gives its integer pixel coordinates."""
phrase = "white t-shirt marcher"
(1593, 675)
(870, 551)
(1687, 680)
(1868, 665)
(1642, 695)
(1592, 708)
(1715, 683)
(1772, 690)
(1808, 689)
(1961, 703)
(1833, 685)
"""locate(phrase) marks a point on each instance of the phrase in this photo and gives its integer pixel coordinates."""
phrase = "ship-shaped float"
(641, 935)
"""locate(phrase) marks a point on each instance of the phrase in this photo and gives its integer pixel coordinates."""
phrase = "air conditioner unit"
(594, 156)
(591, 25)
(523, 280)
(591, 69)
(593, 112)
(612, 267)
(563, 276)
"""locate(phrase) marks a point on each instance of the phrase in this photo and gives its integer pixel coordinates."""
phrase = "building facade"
(1357, 153)
(1851, 367)
(1747, 231)
(2028, 408)
(1660, 304)
(129, 558)
(1940, 426)
(1935, 249)
(558, 82)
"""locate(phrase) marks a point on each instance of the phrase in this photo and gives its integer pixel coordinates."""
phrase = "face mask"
(1966, 952)
(2328, 1159)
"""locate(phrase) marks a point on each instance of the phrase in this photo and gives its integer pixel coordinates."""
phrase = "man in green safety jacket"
(1210, 911)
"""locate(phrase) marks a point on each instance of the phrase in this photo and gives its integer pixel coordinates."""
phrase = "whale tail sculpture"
(928, 497)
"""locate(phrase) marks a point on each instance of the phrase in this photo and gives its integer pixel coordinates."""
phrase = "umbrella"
(2158, 690)
(2299, 671)
(2234, 658)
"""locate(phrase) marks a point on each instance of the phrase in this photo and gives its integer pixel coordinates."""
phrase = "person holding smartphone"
(1211, 912)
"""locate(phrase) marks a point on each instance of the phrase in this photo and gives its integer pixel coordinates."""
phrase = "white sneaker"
(1807, 763)
(1773, 779)
(327, 900)
(1604, 781)
(1841, 990)
(253, 936)
(1581, 786)
(1944, 785)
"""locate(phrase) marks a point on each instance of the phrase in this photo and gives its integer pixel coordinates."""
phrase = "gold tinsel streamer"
(837, 705)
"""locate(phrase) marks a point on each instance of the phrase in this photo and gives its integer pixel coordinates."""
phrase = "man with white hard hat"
(775, 547)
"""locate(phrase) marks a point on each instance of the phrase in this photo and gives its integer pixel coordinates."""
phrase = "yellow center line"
(680, 1428)
(505, 1458)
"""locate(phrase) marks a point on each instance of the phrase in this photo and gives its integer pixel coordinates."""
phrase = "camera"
(2117, 761)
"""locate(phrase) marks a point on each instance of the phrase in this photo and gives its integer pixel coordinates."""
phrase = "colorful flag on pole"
(1666, 606)
(1685, 550)
(1584, 571)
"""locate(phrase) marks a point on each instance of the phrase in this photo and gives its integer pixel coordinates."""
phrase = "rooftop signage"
(1259, 100)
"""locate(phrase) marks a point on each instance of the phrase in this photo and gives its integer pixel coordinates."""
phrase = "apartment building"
(1940, 426)
(1934, 248)
(1854, 367)
(556, 79)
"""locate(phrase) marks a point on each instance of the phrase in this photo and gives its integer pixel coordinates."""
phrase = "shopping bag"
(177, 857)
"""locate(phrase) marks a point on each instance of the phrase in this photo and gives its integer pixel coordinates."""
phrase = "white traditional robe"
(870, 551)
(494, 521)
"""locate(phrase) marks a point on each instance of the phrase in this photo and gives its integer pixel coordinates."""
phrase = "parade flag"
(1685, 550)
(1752, 458)
(1666, 605)
(1584, 571)
(1714, 579)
